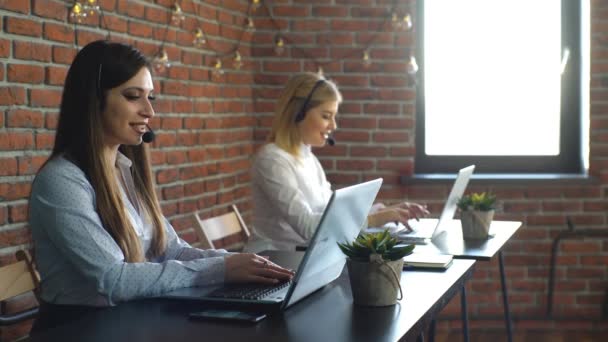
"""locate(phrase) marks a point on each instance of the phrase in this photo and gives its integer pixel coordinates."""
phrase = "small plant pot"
(476, 224)
(373, 284)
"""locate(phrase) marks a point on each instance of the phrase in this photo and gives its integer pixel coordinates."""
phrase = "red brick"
(45, 141)
(17, 213)
(63, 55)
(167, 176)
(45, 98)
(29, 165)
(22, 26)
(14, 191)
(25, 73)
(23, 118)
(14, 237)
(173, 192)
(51, 9)
(140, 29)
(55, 75)
(59, 33)
(5, 47)
(115, 23)
(16, 6)
(9, 167)
(16, 141)
(12, 96)
(85, 37)
(32, 51)
(3, 217)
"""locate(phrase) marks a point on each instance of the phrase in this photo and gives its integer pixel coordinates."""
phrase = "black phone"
(229, 315)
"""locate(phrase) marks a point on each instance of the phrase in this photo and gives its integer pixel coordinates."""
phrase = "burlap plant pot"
(375, 283)
(476, 224)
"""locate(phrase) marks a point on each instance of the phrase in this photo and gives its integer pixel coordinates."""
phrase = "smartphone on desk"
(228, 315)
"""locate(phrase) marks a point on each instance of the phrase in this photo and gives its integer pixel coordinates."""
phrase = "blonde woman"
(99, 234)
(289, 187)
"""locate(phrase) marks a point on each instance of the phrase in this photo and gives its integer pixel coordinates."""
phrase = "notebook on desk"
(321, 264)
(425, 230)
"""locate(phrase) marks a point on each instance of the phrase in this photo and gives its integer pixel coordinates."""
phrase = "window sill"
(535, 179)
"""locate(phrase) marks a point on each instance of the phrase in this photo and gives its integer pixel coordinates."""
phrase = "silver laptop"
(426, 229)
(322, 263)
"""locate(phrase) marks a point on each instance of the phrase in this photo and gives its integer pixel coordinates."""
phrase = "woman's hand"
(247, 267)
(400, 212)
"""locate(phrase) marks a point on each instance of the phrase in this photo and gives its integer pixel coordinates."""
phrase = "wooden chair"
(16, 279)
(218, 228)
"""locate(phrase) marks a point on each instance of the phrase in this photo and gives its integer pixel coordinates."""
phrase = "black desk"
(451, 242)
(326, 315)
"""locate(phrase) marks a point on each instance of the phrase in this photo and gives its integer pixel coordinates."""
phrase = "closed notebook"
(428, 260)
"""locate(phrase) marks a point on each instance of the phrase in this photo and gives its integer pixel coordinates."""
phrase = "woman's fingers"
(254, 268)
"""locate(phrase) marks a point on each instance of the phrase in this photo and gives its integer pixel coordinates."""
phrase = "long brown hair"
(284, 132)
(98, 67)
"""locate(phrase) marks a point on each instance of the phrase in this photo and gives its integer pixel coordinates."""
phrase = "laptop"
(427, 229)
(322, 262)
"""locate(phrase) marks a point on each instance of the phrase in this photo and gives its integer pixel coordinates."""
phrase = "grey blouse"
(81, 264)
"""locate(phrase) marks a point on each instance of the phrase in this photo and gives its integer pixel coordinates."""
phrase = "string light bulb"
(320, 71)
(177, 15)
(217, 68)
(279, 46)
(199, 38)
(77, 13)
(255, 4)
(249, 24)
(367, 61)
(91, 6)
(411, 67)
(395, 22)
(161, 62)
(237, 62)
(406, 22)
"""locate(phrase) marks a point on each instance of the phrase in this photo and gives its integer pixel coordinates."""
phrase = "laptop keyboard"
(248, 291)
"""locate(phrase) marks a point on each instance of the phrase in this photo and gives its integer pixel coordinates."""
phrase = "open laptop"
(322, 263)
(426, 229)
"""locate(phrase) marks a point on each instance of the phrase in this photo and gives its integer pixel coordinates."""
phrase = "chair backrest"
(15, 279)
(220, 227)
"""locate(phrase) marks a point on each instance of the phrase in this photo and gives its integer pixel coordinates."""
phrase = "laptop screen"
(342, 221)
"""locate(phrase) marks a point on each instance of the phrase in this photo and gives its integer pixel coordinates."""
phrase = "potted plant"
(476, 214)
(375, 262)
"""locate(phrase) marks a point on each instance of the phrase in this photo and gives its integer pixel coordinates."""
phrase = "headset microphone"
(149, 136)
(330, 140)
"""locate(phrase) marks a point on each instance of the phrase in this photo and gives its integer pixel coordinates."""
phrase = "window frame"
(570, 160)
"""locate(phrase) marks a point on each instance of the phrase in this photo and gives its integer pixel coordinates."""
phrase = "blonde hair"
(284, 132)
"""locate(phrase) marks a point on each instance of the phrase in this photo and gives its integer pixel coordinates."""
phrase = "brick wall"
(208, 127)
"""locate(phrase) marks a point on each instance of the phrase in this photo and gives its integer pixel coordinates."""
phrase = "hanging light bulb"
(237, 62)
(279, 46)
(249, 24)
(77, 13)
(406, 22)
(411, 67)
(161, 62)
(320, 71)
(255, 4)
(367, 61)
(395, 22)
(91, 6)
(217, 68)
(177, 15)
(199, 38)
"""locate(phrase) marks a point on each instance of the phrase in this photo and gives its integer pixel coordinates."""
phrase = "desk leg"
(464, 315)
(505, 298)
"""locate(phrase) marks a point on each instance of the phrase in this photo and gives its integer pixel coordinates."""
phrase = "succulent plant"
(477, 201)
(381, 243)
